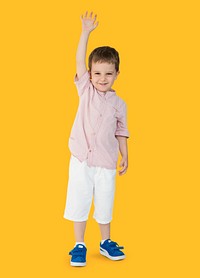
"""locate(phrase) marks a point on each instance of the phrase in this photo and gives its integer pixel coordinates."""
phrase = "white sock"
(102, 241)
(79, 242)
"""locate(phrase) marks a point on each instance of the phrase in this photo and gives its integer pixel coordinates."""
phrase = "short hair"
(104, 54)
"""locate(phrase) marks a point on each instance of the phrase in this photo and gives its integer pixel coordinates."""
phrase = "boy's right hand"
(88, 23)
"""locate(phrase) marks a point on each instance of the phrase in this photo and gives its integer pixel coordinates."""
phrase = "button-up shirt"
(100, 118)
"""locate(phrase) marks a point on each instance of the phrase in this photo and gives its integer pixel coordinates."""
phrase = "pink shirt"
(100, 117)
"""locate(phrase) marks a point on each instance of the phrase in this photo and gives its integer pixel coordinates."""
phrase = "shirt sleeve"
(122, 129)
(83, 83)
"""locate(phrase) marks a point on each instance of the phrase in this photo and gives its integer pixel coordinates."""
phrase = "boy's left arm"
(123, 147)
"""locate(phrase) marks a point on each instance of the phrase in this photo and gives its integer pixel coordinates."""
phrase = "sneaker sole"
(77, 264)
(105, 253)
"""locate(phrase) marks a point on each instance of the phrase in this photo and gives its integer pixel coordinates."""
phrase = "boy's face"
(103, 76)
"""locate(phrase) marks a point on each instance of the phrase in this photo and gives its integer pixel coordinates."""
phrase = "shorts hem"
(75, 219)
(102, 222)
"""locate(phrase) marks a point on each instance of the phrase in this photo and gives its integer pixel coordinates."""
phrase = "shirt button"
(100, 115)
(90, 151)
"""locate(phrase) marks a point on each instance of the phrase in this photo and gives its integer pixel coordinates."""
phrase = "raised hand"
(88, 22)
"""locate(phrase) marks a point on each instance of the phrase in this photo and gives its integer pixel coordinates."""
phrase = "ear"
(90, 74)
(117, 74)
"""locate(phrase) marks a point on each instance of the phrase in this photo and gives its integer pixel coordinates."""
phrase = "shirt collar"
(108, 94)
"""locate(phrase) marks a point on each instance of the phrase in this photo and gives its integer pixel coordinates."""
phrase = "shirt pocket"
(112, 112)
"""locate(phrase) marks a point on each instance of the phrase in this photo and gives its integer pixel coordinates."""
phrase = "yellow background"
(156, 213)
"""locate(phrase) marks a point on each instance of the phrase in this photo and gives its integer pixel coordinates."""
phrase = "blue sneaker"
(111, 250)
(78, 255)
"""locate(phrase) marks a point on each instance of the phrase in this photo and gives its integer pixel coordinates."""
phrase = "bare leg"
(79, 230)
(105, 230)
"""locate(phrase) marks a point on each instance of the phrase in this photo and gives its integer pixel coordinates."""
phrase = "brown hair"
(104, 54)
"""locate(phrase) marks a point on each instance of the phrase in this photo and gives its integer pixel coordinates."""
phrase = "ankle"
(80, 242)
(102, 241)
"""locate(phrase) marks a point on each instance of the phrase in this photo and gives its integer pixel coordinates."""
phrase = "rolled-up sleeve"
(83, 83)
(122, 129)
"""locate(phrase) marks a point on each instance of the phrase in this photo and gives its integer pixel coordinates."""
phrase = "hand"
(88, 23)
(124, 164)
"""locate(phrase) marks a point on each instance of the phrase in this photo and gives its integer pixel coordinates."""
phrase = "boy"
(98, 133)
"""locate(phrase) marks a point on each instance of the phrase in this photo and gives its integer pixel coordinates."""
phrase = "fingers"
(94, 18)
(90, 16)
(96, 24)
(89, 21)
(124, 169)
(84, 16)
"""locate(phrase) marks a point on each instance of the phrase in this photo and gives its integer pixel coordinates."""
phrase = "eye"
(109, 73)
(96, 73)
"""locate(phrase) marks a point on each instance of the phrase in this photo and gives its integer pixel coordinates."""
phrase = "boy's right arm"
(88, 25)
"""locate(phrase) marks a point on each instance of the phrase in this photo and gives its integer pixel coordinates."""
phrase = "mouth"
(103, 84)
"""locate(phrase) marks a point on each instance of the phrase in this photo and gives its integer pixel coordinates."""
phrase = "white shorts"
(85, 183)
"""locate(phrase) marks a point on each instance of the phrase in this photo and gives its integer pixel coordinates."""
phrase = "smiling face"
(103, 76)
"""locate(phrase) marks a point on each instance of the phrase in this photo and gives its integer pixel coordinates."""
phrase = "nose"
(103, 78)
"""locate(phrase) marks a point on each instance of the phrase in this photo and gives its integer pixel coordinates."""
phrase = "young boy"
(98, 133)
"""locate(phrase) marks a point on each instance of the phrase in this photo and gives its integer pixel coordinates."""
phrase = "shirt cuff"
(122, 133)
(83, 78)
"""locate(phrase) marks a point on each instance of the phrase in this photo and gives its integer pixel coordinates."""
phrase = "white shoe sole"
(105, 253)
(77, 264)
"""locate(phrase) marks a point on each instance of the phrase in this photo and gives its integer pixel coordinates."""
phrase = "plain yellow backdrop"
(156, 214)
